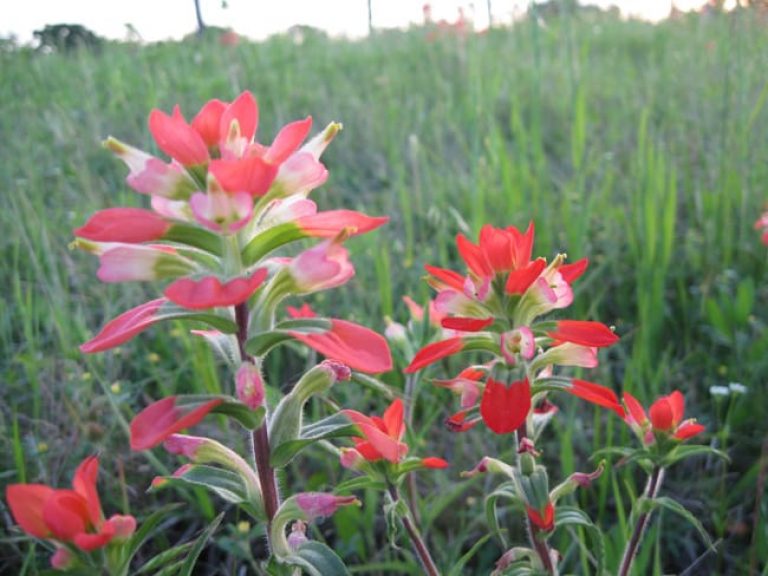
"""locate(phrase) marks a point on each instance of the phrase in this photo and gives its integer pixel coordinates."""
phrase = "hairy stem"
(260, 437)
(418, 543)
(542, 549)
(651, 491)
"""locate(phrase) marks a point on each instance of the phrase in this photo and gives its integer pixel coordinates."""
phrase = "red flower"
(164, 418)
(68, 516)
(666, 417)
(505, 408)
(356, 346)
(382, 436)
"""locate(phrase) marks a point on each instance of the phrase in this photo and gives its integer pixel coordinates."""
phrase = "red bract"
(435, 351)
(129, 225)
(210, 292)
(125, 327)
(351, 344)
(382, 436)
(505, 408)
(252, 174)
(178, 139)
(593, 334)
(466, 324)
(68, 516)
(304, 312)
(160, 420)
(571, 272)
(597, 394)
(498, 250)
(520, 280)
(543, 521)
(330, 223)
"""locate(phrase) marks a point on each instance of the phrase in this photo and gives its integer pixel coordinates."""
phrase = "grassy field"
(642, 147)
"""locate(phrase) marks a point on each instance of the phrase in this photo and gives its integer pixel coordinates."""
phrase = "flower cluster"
(220, 205)
(497, 307)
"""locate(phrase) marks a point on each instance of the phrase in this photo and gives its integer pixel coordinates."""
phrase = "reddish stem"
(651, 491)
(421, 548)
(261, 449)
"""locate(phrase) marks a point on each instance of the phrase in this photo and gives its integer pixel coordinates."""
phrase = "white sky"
(257, 19)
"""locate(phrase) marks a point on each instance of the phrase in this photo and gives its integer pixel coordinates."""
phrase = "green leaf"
(677, 508)
(191, 560)
(683, 452)
(572, 516)
(194, 236)
(262, 343)
(227, 484)
(170, 311)
(271, 239)
(373, 384)
(335, 426)
(145, 528)
(249, 419)
(317, 559)
(457, 568)
(519, 568)
(359, 483)
(164, 559)
(508, 492)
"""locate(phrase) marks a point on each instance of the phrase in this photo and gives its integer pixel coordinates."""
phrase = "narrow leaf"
(191, 560)
(317, 559)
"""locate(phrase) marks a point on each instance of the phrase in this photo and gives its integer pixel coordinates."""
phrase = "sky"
(258, 19)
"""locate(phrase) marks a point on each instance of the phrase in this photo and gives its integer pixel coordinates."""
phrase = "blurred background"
(634, 135)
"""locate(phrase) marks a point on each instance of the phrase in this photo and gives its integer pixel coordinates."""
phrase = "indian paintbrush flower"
(68, 516)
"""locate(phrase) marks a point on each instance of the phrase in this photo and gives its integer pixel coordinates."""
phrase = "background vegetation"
(643, 147)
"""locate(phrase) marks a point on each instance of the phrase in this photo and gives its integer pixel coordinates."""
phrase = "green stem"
(651, 491)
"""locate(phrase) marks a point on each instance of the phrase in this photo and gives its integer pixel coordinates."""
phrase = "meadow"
(643, 147)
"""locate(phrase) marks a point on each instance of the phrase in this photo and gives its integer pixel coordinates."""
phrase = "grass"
(642, 147)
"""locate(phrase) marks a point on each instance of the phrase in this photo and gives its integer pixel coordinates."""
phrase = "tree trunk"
(199, 15)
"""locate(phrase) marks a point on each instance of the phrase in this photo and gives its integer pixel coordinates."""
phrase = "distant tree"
(67, 37)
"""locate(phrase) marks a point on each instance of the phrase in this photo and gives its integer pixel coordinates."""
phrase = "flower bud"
(298, 535)
(249, 385)
(519, 341)
(62, 559)
(320, 505)
(576, 480)
(322, 267)
(351, 459)
(124, 525)
(285, 424)
(490, 465)
(303, 507)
